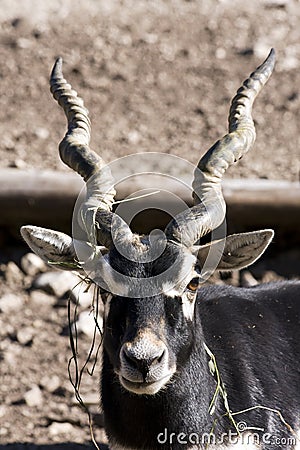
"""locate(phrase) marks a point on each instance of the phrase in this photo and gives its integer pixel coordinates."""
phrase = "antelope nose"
(141, 361)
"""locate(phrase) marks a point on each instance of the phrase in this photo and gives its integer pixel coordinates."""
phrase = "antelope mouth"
(145, 387)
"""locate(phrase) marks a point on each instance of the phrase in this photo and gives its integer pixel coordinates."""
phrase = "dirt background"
(156, 76)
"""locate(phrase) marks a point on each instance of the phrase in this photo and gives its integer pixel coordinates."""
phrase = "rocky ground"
(37, 400)
(156, 76)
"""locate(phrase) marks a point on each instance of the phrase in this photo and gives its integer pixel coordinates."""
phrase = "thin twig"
(73, 336)
(136, 198)
(220, 389)
(275, 411)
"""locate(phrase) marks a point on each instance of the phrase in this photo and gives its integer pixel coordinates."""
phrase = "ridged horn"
(75, 151)
(210, 208)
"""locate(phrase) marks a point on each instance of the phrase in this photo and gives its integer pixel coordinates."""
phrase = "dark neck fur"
(182, 407)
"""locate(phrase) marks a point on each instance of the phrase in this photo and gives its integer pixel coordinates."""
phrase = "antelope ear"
(52, 246)
(235, 252)
(56, 248)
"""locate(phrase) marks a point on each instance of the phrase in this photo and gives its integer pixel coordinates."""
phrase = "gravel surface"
(156, 76)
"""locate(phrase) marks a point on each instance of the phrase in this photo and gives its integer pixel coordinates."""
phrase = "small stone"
(247, 279)
(3, 411)
(235, 278)
(41, 133)
(25, 335)
(86, 323)
(18, 163)
(220, 53)
(6, 329)
(10, 303)
(24, 43)
(261, 49)
(40, 298)
(79, 294)
(32, 264)
(51, 383)
(133, 137)
(3, 431)
(8, 143)
(290, 62)
(38, 324)
(168, 51)
(270, 275)
(150, 38)
(90, 399)
(34, 397)
(55, 282)
(12, 354)
(13, 274)
(61, 428)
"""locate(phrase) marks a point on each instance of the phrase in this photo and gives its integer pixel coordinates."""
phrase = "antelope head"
(147, 280)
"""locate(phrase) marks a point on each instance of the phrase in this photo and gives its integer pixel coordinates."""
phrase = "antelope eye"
(193, 284)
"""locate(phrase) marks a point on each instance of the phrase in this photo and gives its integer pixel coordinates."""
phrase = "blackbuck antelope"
(184, 365)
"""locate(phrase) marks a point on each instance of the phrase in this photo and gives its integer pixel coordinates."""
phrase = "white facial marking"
(169, 290)
(188, 300)
(176, 288)
(188, 305)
